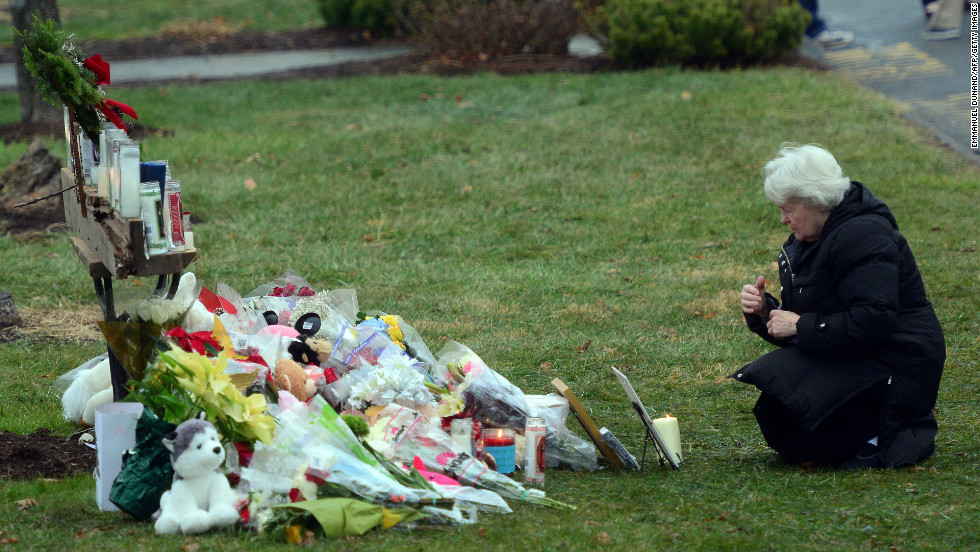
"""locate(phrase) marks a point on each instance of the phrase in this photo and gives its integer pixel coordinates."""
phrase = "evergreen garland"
(59, 76)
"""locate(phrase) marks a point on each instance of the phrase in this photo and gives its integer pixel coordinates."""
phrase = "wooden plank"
(115, 242)
(590, 426)
(89, 259)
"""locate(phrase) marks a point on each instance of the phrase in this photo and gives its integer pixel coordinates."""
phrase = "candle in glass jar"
(671, 434)
(499, 443)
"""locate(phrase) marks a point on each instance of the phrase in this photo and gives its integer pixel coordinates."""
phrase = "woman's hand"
(754, 299)
(782, 324)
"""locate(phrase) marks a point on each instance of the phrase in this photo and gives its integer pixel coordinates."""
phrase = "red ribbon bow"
(100, 68)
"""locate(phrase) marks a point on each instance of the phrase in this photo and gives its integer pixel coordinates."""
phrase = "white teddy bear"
(90, 386)
(200, 498)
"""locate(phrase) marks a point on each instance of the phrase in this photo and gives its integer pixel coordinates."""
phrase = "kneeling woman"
(855, 379)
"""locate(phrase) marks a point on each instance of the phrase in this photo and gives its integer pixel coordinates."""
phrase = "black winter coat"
(864, 320)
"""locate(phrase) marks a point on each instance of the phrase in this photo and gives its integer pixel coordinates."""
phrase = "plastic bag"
(563, 448)
(146, 470)
(490, 398)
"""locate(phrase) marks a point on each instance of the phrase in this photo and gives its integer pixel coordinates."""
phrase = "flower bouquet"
(404, 434)
(489, 397)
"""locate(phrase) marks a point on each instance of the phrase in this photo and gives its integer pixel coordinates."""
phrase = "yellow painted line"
(890, 63)
(955, 108)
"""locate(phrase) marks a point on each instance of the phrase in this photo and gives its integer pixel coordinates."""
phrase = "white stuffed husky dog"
(200, 498)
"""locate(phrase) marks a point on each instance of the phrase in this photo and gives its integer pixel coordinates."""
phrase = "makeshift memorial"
(200, 498)
(391, 447)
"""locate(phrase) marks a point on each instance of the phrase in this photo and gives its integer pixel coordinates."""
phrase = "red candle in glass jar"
(498, 438)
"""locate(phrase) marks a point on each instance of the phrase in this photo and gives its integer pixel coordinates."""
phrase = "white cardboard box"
(115, 432)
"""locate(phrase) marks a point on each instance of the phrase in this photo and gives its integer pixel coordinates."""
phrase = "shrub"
(490, 28)
(375, 16)
(699, 32)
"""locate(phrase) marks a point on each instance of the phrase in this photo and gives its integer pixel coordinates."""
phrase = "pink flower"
(445, 457)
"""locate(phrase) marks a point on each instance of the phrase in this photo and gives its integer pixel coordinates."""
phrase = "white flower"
(394, 378)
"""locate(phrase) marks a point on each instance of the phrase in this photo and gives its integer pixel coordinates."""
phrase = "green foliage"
(358, 425)
(699, 32)
(375, 16)
(56, 66)
(489, 28)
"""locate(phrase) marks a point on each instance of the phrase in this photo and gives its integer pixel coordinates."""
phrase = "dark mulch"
(167, 45)
(43, 455)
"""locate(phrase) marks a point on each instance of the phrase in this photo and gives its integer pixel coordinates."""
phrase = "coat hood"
(858, 200)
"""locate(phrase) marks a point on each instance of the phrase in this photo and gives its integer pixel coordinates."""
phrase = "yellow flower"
(210, 384)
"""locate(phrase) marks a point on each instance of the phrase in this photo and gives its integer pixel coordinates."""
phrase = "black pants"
(838, 437)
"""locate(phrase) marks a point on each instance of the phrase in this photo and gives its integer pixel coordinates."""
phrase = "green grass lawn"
(524, 217)
(113, 19)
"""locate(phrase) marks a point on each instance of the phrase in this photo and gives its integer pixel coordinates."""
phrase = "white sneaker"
(835, 38)
(939, 34)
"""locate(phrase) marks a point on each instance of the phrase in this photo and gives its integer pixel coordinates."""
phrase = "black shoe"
(866, 459)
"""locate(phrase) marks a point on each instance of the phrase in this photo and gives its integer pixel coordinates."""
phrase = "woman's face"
(805, 222)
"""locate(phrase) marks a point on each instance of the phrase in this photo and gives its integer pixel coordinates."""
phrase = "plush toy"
(91, 387)
(290, 376)
(310, 350)
(200, 498)
(434, 477)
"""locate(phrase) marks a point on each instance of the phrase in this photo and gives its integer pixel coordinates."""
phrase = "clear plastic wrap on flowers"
(490, 398)
(402, 434)
(395, 378)
(287, 280)
(563, 448)
(484, 499)
(305, 441)
(406, 337)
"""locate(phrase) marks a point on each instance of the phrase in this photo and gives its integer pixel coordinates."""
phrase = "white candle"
(671, 434)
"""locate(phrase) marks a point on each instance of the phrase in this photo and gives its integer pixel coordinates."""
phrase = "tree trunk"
(32, 108)
(8, 312)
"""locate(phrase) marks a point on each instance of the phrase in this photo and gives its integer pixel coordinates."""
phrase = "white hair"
(808, 173)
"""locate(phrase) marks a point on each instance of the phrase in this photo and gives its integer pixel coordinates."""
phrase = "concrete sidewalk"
(929, 79)
(227, 66)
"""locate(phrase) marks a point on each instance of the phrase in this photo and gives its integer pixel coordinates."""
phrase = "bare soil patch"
(43, 455)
